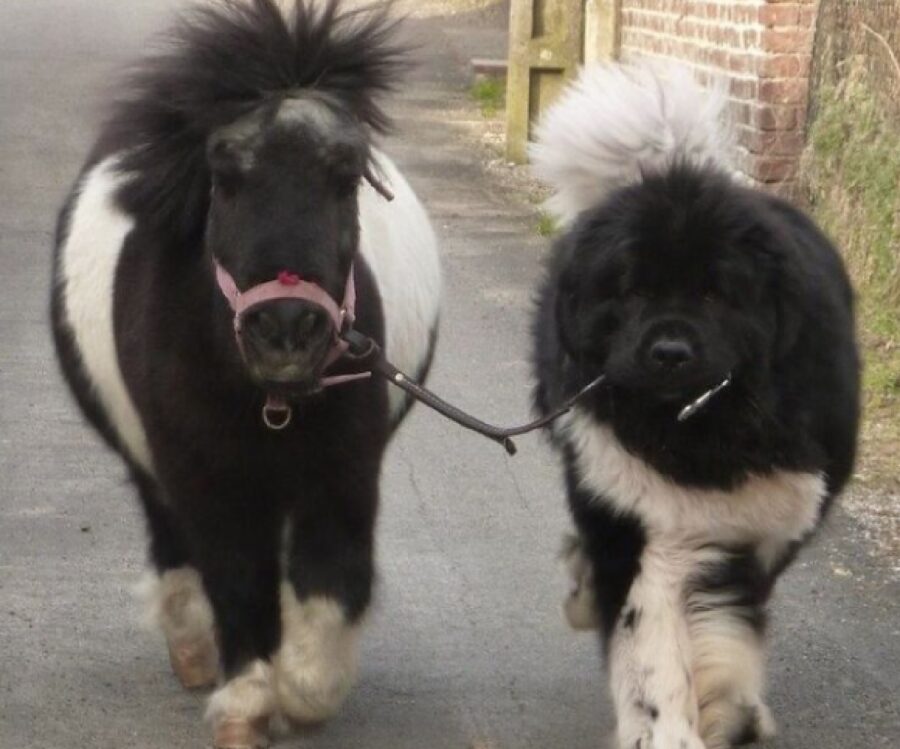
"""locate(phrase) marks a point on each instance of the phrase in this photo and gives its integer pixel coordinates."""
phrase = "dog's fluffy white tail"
(616, 122)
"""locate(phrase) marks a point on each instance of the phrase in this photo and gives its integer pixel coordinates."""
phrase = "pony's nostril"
(266, 326)
(288, 326)
(308, 325)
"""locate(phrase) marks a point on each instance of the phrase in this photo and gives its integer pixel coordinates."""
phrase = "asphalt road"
(466, 645)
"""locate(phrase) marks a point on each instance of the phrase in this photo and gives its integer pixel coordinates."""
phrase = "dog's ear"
(790, 312)
(569, 322)
(787, 286)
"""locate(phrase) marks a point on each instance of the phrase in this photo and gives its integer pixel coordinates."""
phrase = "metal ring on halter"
(287, 414)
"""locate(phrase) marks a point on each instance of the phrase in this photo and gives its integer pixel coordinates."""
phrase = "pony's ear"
(375, 177)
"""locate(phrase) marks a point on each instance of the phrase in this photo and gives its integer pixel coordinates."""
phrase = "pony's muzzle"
(286, 341)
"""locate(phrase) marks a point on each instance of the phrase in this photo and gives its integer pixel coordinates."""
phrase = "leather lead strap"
(363, 347)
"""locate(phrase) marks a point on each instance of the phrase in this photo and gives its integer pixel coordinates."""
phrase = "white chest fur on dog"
(683, 648)
(775, 509)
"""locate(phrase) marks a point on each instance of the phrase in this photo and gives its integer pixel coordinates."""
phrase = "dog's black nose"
(671, 353)
(286, 326)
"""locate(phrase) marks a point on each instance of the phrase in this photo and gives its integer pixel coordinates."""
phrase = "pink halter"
(290, 286)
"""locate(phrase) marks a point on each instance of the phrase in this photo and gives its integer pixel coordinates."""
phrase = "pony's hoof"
(580, 606)
(239, 733)
(195, 663)
(581, 612)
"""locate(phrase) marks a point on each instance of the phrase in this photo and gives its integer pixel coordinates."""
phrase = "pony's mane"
(223, 59)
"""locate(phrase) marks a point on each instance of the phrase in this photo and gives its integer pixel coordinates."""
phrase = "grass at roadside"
(851, 175)
(490, 93)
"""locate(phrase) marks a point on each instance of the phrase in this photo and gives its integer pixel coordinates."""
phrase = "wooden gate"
(548, 41)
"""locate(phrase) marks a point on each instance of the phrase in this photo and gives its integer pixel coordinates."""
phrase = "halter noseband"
(277, 413)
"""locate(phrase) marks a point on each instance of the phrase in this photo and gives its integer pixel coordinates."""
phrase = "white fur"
(249, 697)
(176, 603)
(617, 121)
(773, 509)
(690, 654)
(400, 247)
(89, 259)
(729, 669)
(650, 663)
(316, 665)
(581, 605)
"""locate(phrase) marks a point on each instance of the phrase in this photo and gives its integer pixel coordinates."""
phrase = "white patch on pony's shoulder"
(317, 663)
(398, 244)
(89, 258)
(773, 509)
(616, 121)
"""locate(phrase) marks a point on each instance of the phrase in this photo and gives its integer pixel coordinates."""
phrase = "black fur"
(612, 543)
(222, 61)
(740, 584)
(748, 287)
(224, 488)
(690, 248)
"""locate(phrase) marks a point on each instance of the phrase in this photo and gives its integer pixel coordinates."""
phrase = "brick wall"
(761, 48)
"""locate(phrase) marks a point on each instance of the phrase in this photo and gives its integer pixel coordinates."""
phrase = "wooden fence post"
(545, 48)
(601, 30)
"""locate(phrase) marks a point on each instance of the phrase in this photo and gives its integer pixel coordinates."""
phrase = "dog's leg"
(726, 624)
(650, 657)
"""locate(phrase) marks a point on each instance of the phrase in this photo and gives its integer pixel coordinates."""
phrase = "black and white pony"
(247, 145)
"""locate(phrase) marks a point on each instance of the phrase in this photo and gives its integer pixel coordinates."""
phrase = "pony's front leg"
(174, 595)
(325, 595)
(236, 552)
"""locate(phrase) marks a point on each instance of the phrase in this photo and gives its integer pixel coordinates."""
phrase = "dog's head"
(675, 284)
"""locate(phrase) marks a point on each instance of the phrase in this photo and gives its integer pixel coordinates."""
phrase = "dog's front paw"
(727, 723)
(675, 735)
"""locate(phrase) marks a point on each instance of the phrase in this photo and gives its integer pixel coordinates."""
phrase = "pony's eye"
(225, 183)
(347, 184)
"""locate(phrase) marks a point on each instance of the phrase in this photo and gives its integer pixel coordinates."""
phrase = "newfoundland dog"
(722, 319)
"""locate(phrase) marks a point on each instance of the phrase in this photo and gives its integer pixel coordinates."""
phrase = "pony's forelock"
(221, 60)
